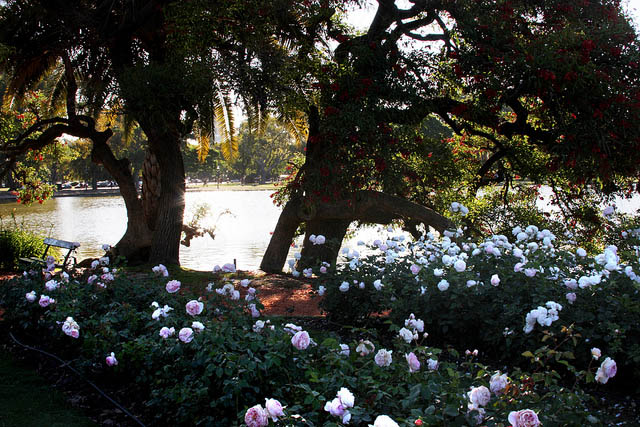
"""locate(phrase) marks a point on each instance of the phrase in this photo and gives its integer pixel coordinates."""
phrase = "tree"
(541, 89)
(265, 154)
(163, 63)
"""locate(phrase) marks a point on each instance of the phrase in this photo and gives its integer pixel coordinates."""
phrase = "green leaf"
(451, 411)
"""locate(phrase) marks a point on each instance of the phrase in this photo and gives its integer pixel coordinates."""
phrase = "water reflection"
(242, 235)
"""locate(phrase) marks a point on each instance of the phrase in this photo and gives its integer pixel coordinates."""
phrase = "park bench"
(62, 244)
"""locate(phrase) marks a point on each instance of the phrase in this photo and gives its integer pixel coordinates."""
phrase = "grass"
(26, 400)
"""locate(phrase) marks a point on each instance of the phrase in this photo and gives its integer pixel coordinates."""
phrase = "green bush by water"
(17, 243)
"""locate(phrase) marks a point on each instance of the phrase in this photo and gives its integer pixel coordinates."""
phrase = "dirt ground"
(281, 295)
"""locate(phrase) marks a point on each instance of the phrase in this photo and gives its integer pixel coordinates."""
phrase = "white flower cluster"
(229, 290)
(459, 207)
(160, 311)
(160, 270)
(412, 327)
(545, 316)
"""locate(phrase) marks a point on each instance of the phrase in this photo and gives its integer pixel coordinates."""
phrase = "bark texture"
(332, 220)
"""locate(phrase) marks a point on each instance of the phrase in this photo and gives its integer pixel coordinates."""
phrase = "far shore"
(6, 196)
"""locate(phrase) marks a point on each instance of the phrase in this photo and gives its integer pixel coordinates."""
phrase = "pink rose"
(45, 301)
(173, 286)
(111, 359)
(607, 369)
(301, 340)
(495, 280)
(335, 407)
(524, 418)
(274, 409)
(256, 416)
(186, 335)
(498, 383)
(194, 307)
(254, 311)
(167, 332)
(479, 396)
(414, 363)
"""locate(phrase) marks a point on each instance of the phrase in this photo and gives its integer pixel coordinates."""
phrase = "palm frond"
(256, 118)
(25, 75)
(56, 92)
(224, 121)
(296, 124)
(203, 137)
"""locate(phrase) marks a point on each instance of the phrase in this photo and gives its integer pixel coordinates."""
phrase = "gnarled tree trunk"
(136, 241)
(329, 219)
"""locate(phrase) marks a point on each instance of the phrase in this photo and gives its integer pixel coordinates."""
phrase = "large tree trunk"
(136, 241)
(165, 244)
(329, 219)
(333, 230)
(276, 254)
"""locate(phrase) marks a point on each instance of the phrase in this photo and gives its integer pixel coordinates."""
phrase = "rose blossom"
(254, 311)
(301, 340)
(460, 265)
(31, 296)
(274, 409)
(432, 364)
(607, 369)
(186, 335)
(71, 328)
(383, 358)
(498, 383)
(173, 286)
(406, 335)
(346, 397)
(344, 350)
(194, 307)
(596, 353)
(338, 406)
(256, 416)
(479, 396)
(45, 300)
(167, 332)
(384, 421)
(524, 418)
(337, 409)
(571, 297)
(365, 347)
(111, 359)
(414, 363)
(51, 285)
(495, 280)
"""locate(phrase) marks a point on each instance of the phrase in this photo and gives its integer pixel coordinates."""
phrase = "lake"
(242, 234)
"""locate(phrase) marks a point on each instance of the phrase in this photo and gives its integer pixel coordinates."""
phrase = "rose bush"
(511, 290)
(223, 370)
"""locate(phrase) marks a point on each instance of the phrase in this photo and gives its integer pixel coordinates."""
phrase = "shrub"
(479, 295)
(237, 361)
(17, 243)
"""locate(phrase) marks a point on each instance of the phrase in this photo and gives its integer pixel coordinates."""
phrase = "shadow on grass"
(26, 400)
